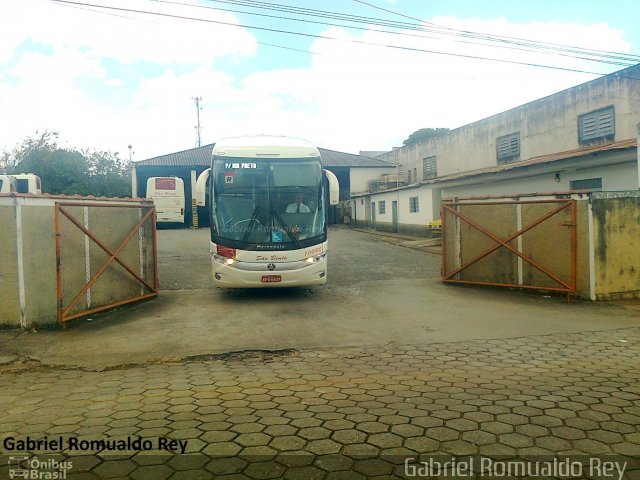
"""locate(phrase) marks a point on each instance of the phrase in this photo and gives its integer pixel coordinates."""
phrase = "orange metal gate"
(98, 265)
(521, 244)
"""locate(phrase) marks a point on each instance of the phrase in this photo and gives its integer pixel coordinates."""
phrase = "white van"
(167, 194)
(20, 183)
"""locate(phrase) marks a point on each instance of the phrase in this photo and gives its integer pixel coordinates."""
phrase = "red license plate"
(271, 278)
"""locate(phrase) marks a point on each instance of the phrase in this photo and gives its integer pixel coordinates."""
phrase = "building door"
(373, 214)
(394, 216)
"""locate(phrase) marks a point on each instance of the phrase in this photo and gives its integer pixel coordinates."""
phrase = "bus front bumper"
(225, 276)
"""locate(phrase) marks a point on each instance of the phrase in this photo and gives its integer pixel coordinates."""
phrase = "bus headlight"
(223, 260)
(317, 258)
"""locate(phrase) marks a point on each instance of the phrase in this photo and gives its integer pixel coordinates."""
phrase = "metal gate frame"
(568, 287)
(63, 311)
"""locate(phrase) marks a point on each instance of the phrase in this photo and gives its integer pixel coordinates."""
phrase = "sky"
(348, 75)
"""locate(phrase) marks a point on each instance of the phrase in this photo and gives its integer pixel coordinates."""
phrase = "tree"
(61, 171)
(69, 171)
(45, 141)
(109, 176)
(424, 134)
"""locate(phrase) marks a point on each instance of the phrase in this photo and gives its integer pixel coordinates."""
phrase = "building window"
(594, 184)
(598, 125)
(415, 174)
(382, 207)
(414, 205)
(508, 148)
(429, 168)
(409, 177)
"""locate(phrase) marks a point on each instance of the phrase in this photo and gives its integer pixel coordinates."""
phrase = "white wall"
(359, 177)
(548, 125)
(614, 177)
(424, 215)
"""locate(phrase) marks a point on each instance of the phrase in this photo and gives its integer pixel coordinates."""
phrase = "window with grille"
(414, 206)
(597, 125)
(508, 148)
(382, 207)
(429, 168)
(587, 184)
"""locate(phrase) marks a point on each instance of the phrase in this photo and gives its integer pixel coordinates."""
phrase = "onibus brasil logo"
(35, 468)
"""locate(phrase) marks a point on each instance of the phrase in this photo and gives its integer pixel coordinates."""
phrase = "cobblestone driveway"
(341, 413)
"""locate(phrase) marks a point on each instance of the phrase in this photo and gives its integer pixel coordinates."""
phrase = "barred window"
(382, 207)
(429, 168)
(586, 184)
(508, 148)
(599, 124)
(414, 205)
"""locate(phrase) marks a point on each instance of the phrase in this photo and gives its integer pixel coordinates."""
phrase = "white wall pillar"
(134, 183)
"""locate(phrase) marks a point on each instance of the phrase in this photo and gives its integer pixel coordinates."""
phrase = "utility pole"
(198, 108)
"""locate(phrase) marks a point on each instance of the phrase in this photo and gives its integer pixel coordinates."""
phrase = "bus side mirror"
(201, 188)
(334, 188)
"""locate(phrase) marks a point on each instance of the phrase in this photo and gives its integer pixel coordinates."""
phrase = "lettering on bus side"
(272, 258)
(313, 251)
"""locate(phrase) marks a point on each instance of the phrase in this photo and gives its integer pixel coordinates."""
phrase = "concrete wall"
(547, 125)
(28, 277)
(9, 293)
(616, 227)
(607, 244)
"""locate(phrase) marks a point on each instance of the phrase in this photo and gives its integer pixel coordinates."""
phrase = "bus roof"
(265, 146)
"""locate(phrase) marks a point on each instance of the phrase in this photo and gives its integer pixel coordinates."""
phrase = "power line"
(414, 35)
(631, 57)
(324, 37)
(437, 29)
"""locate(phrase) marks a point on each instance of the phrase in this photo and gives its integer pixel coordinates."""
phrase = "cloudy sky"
(348, 75)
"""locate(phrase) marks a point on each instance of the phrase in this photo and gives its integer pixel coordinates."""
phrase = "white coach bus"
(167, 194)
(20, 183)
(268, 199)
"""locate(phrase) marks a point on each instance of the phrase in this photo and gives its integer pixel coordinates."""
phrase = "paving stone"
(323, 447)
(363, 410)
(226, 466)
(314, 433)
(479, 437)
(252, 439)
(288, 443)
(385, 440)
(422, 444)
(334, 463)
(349, 436)
(304, 473)
(568, 433)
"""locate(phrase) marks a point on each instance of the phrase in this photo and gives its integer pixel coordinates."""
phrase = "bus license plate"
(271, 278)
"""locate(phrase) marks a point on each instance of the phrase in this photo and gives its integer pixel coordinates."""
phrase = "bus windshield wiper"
(254, 217)
(287, 229)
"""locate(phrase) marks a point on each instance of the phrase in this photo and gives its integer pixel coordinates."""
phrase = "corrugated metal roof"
(331, 158)
(193, 156)
(202, 156)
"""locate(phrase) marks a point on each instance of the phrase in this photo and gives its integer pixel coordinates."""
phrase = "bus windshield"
(267, 203)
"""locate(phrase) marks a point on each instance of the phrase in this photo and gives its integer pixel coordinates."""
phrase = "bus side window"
(22, 185)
